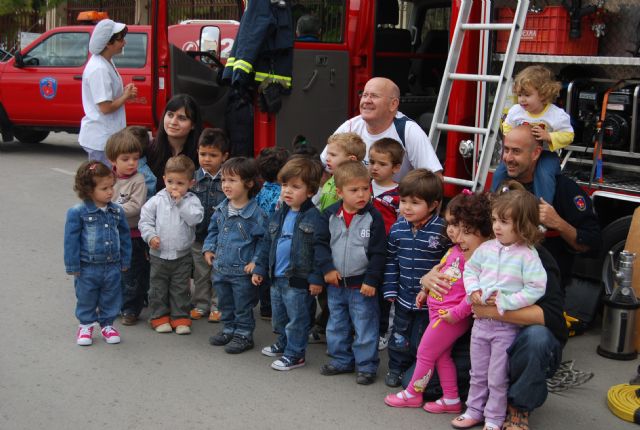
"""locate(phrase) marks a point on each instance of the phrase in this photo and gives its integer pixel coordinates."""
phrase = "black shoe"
(238, 344)
(220, 339)
(364, 378)
(330, 369)
(392, 379)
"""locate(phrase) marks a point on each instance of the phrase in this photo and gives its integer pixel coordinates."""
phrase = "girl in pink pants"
(469, 225)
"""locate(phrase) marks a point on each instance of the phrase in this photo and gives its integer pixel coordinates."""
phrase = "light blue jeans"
(98, 293)
(290, 317)
(347, 308)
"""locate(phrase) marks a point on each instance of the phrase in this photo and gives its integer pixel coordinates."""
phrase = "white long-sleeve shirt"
(174, 223)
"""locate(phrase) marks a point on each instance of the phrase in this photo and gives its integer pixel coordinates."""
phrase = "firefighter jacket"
(263, 49)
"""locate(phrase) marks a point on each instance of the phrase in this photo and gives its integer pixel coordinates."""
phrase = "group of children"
(363, 240)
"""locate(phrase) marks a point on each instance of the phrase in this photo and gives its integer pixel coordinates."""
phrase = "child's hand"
(256, 280)
(367, 290)
(421, 299)
(154, 243)
(476, 297)
(333, 278)
(124, 269)
(447, 316)
(540, 133)
(314, 289)
(175, 195)
(209, 257)
(249, 268)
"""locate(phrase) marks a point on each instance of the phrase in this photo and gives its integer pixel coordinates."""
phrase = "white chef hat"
(102, 33)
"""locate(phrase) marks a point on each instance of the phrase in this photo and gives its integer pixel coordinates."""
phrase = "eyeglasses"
(373, 96)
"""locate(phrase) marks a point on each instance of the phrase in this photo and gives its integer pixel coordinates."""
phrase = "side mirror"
(210, 40)
(19, 63)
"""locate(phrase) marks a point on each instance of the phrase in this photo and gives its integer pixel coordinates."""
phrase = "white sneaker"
(164, 328)
(183, 329)
(383, 343)
(110, 334)
(84, 334)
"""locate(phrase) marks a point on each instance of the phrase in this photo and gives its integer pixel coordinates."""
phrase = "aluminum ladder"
(489, 134)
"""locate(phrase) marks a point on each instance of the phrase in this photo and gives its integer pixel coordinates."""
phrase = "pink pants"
(434, 353)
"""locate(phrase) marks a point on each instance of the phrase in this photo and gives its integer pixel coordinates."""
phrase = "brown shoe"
(517, 419)
(129, 319)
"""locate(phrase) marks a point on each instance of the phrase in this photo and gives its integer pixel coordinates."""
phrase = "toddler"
(287, 257)
(123, 151)
(350, 253)
(97, 247)
(416, 243)
(537, 89)
(142, 134)
(213, 150)
(168, 222)
(237, 227)
(507, 272)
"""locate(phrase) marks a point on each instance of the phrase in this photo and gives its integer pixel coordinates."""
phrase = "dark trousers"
(135, 281)
(320, 321)
(408, 327)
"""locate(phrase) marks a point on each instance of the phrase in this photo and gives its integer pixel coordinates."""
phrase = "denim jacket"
(209, 191)
(93, 235)
(235, 240)
(301, 271)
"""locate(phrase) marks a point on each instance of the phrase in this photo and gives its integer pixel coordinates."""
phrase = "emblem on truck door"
(48, 88)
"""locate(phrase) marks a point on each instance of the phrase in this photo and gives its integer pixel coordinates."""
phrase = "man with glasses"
(379, 117)
(103, 94)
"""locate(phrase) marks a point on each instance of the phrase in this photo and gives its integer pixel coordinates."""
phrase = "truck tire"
(26, 135)
(614, 237)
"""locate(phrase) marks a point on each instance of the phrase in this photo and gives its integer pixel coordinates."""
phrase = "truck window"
(329, 14)
(60, 50)
(134, 55)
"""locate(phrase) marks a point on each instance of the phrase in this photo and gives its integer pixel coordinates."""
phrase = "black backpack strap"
(399, 124)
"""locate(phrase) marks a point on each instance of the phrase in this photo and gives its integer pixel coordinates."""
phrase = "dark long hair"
(160, 151)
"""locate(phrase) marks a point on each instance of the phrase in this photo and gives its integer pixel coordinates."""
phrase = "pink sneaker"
(110, 334)
(84, 334)
(403, 401)
(440, 407)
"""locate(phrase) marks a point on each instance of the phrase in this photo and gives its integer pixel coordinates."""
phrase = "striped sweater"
(515, 272)
(409, 256)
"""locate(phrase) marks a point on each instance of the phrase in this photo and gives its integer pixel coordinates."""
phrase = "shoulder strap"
(399, 124)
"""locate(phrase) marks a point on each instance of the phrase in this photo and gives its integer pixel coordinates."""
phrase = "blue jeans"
(534, 356)
(290, 317)
(93, 154)
(98, 293)
(346, 307)
(544, 177)
(237, 297)
(408, 327)
(135, 281)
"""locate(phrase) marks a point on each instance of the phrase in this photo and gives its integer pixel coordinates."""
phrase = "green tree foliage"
(12, 6)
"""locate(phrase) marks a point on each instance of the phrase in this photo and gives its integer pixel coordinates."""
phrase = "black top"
(575, 207)
(552, 303)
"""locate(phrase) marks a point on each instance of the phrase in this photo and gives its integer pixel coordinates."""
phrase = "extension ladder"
(487, 135)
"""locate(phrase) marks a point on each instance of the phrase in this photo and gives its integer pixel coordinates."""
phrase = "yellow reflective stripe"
(230, 61)
(284, 80)
(242, 65)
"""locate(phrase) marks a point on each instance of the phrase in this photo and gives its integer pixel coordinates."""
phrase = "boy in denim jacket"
(350, 251)
(235, 231)
(168, 224)
(287, 258)
(213, 150)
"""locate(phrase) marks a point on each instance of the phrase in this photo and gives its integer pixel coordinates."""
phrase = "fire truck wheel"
(26, 135)
(614, 237)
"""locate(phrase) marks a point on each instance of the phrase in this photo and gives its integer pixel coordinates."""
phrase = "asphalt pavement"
(165, 381)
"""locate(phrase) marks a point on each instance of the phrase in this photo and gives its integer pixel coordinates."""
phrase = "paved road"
(153, 381)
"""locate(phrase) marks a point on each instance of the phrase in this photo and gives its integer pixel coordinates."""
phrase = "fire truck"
(586, 43)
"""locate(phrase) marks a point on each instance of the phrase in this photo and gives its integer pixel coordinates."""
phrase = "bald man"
(570, 219)
(379, 117)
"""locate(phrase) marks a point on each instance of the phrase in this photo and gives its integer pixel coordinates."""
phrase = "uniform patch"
(48, 88)
(580, 202)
